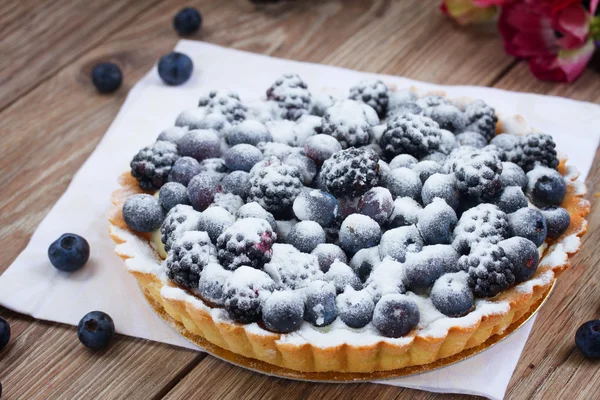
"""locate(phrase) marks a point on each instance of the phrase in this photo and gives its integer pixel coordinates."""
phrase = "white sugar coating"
(279, 150)
(228, 201)
(406, 211)
(172, 134)
(215, 121)
(214, 220)
(352, 113)
(341, 275)
(190, 116)
(282, 131)
(180, 219)
(369, 256)
(319, 289)
(255, 210)
(291, 268)
(250, 280)
(284, 227)
(353, 303)
(304, 208)
(403, 182)
(199, 249)
(306, 235)
(377, 132)
(358, 228)
(306, 126)
(321, 102)
(538, 172)
(249, 228)
(426, 168)
(306, 166)
(399, 97)
(212, 283)
(386, 277)
(263, 111)
(248, 131)
(396, 242)
(403, 160)
(447, 142)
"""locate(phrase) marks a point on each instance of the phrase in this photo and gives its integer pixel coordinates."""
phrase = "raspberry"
(188, 255)
(247, 242)
(410, 134)
(227, 103)
(351, 172)
(490, 271)
(152, 164)
(350, 122)
(245, 292)
(275, 186)
(483, 223)
(180, 219)
(534, 149)
(481, 118)
(478, 175)
(292, 95)
(291, 268)
(373, 93)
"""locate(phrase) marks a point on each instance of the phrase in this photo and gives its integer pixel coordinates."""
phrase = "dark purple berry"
(69, 253)
(96, 330)
(175, 68)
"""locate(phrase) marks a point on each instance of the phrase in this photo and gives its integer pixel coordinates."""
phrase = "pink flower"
(471, 11)
(554, 35)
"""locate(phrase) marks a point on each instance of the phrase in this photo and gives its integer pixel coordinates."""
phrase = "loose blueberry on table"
(306, 210)
(96, 330)
(187, 21)
(107, 77)
(4, 333)
(69, 252)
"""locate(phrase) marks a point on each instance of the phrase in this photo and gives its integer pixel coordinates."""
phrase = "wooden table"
(52, 118)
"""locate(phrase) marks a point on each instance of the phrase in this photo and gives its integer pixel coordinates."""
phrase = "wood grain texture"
(55, 119)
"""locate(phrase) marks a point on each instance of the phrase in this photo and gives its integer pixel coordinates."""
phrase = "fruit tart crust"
(416, 349)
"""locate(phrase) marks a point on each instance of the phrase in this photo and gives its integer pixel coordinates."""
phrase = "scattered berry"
(441, 186)
(557, 220)
(187, 21)
(283, 311)
(151, 165)
(68, 253)
(96, 330)
(351, 172)
(292, 95)
(373, 93)
(451, 295)
(211, 286)
(247, 242)
(396, 242)
(511, 199)
(238, 183)
(359, 232)
(490, 270)
(545, 187)
(242, 157)
(378, 204)
(319, 304)
(245, 292)
(437, 222)
(403, 182)
(321, 147)
(327, 253)
(4, 333)
(524, 256)
(175, 68)
(107, 77)
(481, 118)
(341, 275)
(410, 134)
(483, 223)
(529, 223)
(143, 213)
(587, 339)
(202, 189)
(395, 315)
(172, 194)
(355, 308)
(306, 236)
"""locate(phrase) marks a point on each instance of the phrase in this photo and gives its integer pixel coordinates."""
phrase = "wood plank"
(39, 38)
(551, 366)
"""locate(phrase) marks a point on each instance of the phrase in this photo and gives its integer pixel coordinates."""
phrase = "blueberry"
(172, 134)
(319, 304)
(511, 199)
(238, 183)
(187, 21)
(545, 187)
(406, 212)
(184, 169)
(315, 205)
(283, 311)
(437, 222)
(473, 139)
(587, 339)
(359, 232)
(529, 223)
(426, 168)
(143, 213)
(396, 242)
(341, 275)
(421, 271)
(214, 220)
(346, 207)
(306, 166)
(69, 252)
(403, 109)
(355, 308)
(524, 256)
(364, 261)
(513, 175)
(4, 333)
(242, 157)
(451, 294)
(403, 161)
(506, 141)
(378, 204)
(107, 77)
(171, 194)
(212, 283)
(200, 144)
(175, 68)
(395, 315)
(255, 210)
(446, 253)
(321, 147)
(402, 182)
(442, 186)
(95, 330)
(202, 189)
(557, 220)
(249, 132)
(306, 236)
(327, 253)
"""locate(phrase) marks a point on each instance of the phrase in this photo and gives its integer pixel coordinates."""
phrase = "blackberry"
(292, 95)
(431, 101)
(247, 242)
(350, 122)
(245, 292)
(292, 269)
(180, 219)
(373, 93)
(490, 271)
(483, 223)
(275, 186)
(351, 172)
(152, 164)
(481, 118)
(534, 149)
(227, 103)
(188, 255)
(410, 134)
(478, 175)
